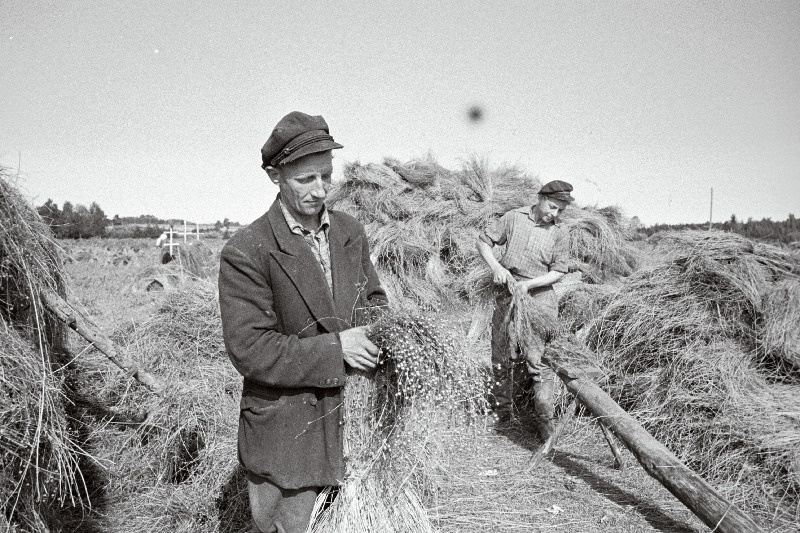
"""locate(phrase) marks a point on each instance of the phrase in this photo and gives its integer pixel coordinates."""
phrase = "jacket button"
(328, 381)
(313, 401)
(335, 381)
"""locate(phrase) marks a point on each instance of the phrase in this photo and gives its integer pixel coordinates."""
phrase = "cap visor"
(321, 146)
(563, 196)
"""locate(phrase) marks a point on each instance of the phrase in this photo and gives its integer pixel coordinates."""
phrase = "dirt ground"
(477, 479)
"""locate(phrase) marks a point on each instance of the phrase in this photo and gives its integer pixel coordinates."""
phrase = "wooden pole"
(711, 209)
(691, 489)
(76, 321)
(619, 462)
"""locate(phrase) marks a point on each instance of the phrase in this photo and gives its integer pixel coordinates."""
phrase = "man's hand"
(359, 352)
(503, 277)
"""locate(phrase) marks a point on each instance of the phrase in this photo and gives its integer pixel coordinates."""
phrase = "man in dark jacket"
(292, 286)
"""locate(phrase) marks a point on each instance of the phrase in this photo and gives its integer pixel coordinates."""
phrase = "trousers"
(513, 382)
(278, 510)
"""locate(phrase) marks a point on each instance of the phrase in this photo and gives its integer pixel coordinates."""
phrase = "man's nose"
(320, 188)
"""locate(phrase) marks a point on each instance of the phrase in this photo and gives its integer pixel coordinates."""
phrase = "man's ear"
(274, 174)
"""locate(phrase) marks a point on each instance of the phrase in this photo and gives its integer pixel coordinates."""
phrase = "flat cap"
(296, 135)
(557, 189)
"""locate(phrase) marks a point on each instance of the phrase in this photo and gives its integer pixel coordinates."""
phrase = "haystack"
(423, 221)
(780, 325)
(38, 451)
(598, 243)
(193, 261)
(691, 342)
(171, 460)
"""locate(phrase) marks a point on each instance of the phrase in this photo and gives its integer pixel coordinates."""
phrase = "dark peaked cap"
(560, 190)
(296, 135)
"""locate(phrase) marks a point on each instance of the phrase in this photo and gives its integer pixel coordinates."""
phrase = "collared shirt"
(316, 240)
(532, 248)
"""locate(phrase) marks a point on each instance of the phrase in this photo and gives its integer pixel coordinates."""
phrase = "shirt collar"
(556, 220)
(296, 227)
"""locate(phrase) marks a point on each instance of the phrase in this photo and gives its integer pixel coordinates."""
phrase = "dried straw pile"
(38, 452)
(700, 346)
(423, 220)
(170, 462)
(599, 243)
(193, 261)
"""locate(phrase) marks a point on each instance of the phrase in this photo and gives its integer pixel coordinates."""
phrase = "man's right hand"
(359, 352)
(503, 277)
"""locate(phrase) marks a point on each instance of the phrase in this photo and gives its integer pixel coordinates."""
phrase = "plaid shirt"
(316, 240)
(532, 249)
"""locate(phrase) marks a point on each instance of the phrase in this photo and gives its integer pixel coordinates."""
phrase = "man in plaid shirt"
(535, 257)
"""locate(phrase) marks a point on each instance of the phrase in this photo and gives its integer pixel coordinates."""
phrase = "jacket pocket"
(260, 406)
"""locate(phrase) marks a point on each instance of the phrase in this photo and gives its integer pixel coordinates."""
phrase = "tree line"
(76, 221)
(777, 232)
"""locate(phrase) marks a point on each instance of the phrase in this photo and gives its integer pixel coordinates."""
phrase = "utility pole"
(711, 209)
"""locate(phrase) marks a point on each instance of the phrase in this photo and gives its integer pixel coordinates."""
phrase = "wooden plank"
(80, 324)
(691, 489)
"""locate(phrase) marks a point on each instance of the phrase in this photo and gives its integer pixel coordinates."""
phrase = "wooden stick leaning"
(619, 462)
(81, 325)
(691, 489)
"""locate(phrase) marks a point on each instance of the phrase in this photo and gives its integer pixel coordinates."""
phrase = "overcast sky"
(161, 107)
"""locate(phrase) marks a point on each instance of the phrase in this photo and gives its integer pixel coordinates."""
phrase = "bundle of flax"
(419, 368)
(527, 320)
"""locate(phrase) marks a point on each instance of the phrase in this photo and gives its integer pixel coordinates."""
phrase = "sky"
(161, 107)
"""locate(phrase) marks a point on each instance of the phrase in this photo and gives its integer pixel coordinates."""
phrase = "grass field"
(474, 478)
(695, 333)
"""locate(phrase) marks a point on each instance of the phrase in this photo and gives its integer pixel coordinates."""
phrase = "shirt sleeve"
(561, 259)
(497, 231)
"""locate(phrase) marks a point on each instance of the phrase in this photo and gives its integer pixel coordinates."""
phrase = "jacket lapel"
(348, 279)
(301, 267)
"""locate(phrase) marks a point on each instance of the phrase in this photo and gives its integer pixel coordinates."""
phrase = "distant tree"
(74, 221)
(217, 225)
(49, 212)
(226, 222)
(766, 229)
(97, 221)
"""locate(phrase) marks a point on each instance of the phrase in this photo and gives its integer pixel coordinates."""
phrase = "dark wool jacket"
(281, 327)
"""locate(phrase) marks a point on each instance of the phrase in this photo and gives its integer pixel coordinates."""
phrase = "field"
(694, 333)
(478, 473)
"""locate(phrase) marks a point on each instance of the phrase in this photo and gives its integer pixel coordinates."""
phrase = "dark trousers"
(279, 510)
(512, 380)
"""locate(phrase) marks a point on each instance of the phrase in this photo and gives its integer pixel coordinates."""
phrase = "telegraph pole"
(711, 209)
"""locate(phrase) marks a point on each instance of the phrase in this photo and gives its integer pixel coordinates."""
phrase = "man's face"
(304, 184)
(548, 209)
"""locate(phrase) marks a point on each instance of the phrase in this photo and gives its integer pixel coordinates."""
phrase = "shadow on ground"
(523, 433)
